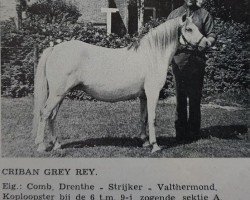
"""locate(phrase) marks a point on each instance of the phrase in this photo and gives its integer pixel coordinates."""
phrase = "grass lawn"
(98, 129)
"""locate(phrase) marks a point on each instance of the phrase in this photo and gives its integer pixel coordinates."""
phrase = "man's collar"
(193, 8)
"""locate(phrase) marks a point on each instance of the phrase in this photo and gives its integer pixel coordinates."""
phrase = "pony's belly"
(114, 94)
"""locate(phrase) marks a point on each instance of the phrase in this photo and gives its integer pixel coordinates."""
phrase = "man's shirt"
(202, 19)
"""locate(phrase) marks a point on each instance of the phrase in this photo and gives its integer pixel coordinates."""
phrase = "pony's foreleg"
(40, 134)
(144, 120)
(45, 114)
(152, 94)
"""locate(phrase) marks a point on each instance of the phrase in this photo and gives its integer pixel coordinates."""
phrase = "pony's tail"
(40, 89)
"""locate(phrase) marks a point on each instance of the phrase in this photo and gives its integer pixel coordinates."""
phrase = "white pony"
(110, 75)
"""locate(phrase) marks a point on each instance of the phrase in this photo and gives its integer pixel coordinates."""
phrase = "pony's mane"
(160, 36)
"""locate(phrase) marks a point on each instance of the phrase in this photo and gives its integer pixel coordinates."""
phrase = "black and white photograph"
(125, 79)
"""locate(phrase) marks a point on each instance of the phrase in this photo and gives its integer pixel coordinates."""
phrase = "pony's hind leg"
(57, 93)
(144, 120)
(51, 123)
(50, 104)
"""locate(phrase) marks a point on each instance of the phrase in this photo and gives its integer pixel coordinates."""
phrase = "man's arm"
(209, 29)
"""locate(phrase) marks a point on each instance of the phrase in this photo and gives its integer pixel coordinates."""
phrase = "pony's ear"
(183, 19)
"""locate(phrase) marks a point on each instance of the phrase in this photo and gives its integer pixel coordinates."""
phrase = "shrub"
(229, 10)
(227, 65)
(227, 61)
(53, 11)
(18, 48)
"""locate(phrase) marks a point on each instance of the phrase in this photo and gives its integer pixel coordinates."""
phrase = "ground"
(98, 129)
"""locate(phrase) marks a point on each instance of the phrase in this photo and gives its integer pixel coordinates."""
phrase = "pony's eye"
(189, 30)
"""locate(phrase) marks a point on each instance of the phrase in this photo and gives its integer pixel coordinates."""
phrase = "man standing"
(188, 69)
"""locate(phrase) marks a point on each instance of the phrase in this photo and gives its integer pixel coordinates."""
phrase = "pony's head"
(190, 34)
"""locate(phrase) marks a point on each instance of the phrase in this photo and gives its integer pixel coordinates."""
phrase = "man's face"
(190, 2)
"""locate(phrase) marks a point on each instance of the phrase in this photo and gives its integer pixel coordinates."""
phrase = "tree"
(140, 6)
(21, 6)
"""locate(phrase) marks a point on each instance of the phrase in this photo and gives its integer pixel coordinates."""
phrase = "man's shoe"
(181, 138)
(194, 136)
(187, 137)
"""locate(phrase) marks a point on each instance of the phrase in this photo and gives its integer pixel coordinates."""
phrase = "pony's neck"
(160, 44)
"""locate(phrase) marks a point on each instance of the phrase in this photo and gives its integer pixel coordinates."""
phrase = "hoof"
(155, 148)
(41, 147)
(57, 146)
(146, 144)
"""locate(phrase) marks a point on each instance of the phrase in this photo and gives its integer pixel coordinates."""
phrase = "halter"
(194, 46)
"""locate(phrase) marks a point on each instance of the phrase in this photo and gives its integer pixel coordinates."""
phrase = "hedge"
(227, 61)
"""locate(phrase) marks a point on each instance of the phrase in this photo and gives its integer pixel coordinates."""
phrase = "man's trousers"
(188, 83)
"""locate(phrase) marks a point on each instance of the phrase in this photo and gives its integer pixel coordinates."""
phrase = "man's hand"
(206, 44)
(211, 40)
